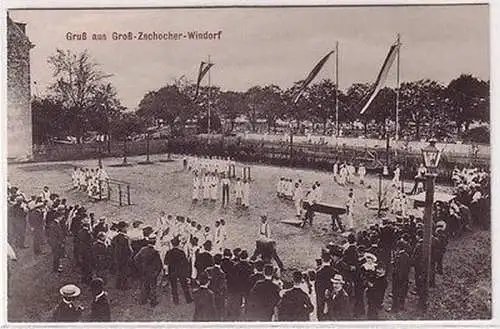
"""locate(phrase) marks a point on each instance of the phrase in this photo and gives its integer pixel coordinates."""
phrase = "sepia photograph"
(248, 164)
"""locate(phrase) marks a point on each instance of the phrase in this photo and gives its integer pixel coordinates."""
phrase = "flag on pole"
(204, 67)
(382, 75)
(312, 75)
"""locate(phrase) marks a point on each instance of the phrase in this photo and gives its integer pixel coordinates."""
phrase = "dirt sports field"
(463, 292)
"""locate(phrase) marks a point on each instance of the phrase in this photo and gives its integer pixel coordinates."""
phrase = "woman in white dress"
(196, 187)
(206, 187)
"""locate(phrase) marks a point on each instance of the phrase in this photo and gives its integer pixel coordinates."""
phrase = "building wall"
(19, 125)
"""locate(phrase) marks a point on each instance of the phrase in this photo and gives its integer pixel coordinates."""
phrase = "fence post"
(120, 193)
(249, 174)
(128, 195)
(100, 190)
(109, 191)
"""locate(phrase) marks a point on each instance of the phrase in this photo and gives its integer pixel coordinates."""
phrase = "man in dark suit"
(228, 265)
(102, 259)
(101, 226)
(122, 253)
(295, 305)
(149, 263)
(178, 269)
(56, 238)
(386, 243)
(35, 219)
(66, 310)
(204, 300)
(204, 259)
(263, 297)
(100, 309)
(218, 285)
(84, 239)
(17, 217)
(258, 273)
(243, 272)
(322, 283)
(400, 277)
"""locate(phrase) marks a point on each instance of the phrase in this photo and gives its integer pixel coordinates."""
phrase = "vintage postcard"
(248, 164)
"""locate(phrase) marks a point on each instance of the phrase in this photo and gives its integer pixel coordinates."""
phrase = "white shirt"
(264, 231)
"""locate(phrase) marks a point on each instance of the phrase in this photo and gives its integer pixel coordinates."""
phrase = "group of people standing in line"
(214, 176)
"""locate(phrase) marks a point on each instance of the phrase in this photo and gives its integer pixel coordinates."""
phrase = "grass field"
(164, 186)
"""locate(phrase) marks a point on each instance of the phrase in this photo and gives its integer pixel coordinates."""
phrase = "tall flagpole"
(337, 87)
(209, 96)
(397, 93)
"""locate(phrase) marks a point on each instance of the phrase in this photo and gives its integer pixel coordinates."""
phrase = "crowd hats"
(69, 291)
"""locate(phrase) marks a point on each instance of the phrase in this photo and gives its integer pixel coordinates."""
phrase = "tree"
(231, 105)
(469, 101)
(355, 99)
(168, 104)
(124, 127)
(291, 110)
(252, 96)
(422, 103)
(321, 98)
(48, 120)
(79, 86)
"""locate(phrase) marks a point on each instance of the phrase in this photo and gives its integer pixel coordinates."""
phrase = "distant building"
(19, 123)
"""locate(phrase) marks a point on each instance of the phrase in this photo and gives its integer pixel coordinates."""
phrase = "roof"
(19, 30)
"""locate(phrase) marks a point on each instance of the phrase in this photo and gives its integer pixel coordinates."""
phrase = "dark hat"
(97, 284)
(148, 230)
(297, 277)
(121, 225)
(175, 241)
(203, 278)
(137, 223)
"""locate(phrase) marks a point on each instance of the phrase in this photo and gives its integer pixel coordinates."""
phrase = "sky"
(260, 46)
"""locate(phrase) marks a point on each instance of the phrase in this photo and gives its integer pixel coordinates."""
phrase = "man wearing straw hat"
(338, 304)
(67, 311)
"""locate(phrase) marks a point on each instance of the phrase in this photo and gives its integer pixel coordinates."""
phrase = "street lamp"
(383, 172)
(431, 155)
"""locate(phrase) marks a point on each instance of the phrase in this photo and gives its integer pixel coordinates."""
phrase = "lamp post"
(431, 155)
(383, 172)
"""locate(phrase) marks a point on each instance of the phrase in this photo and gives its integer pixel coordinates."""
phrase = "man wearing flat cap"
(149, 263)
(122, 253)
(67, 311)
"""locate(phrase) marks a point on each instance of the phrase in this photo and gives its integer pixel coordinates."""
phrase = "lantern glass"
(431, 155)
